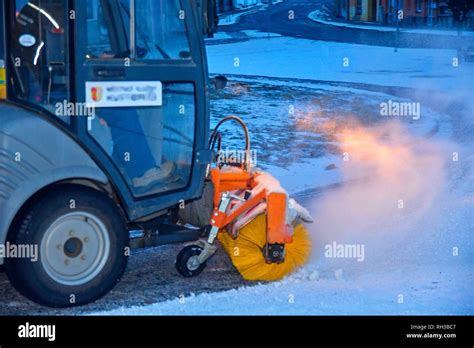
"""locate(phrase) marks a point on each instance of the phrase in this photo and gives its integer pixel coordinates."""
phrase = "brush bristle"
(247, 255)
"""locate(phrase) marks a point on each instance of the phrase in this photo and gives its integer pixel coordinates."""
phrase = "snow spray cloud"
(391, 178)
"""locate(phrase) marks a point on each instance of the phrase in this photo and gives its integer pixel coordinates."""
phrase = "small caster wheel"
(187, 262)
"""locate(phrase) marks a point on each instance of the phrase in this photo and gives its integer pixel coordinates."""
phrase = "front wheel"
(81, 242)
(187, 261)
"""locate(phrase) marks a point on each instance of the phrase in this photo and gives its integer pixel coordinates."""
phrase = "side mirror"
(219, 82)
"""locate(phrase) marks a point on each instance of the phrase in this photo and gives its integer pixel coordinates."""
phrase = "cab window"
(102, 42)
(161, 36)
(152, 147)
(39, 53)
(146, 125)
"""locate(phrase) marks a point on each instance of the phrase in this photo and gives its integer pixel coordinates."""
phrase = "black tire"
(183, 258)
(32, 279)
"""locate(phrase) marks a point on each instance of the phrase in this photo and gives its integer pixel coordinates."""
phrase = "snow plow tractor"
(105, 145)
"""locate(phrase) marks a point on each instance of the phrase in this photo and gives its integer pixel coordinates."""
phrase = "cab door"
(141, 68)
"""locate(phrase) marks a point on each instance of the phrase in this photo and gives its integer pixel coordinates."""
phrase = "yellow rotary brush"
(246, 251)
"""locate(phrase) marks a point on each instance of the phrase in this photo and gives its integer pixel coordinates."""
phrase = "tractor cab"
(127, 80)
(104, 129)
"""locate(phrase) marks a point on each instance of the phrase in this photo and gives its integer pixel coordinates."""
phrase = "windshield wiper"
(163, 53)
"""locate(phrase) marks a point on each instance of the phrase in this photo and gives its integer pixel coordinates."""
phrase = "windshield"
(158, 30)
(162, 35)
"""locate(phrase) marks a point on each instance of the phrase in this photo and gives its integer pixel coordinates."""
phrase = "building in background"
(415, 12)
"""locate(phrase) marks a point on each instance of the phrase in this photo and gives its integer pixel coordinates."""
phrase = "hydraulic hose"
(215, 135)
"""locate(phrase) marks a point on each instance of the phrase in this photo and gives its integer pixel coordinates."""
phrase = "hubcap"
(75, 248)
(193, 263)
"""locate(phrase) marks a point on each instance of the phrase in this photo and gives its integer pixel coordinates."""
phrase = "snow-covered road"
(404, 198)
(435, 69)
(412, 212)
(415, 261)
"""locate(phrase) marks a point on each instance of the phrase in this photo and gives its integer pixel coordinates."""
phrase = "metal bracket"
(208, 251)
(203, 157)
(225, 200)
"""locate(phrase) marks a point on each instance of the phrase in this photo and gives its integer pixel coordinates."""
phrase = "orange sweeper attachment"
(253, 218)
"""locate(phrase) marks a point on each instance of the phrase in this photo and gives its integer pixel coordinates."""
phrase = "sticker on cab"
(27, 40)
(124, 94)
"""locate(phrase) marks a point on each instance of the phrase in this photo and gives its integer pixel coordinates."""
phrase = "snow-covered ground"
(297, 145)
(331, 61)
(219, 36)
(409, 265)
(259, 34)
(405, 197)
(233, 18)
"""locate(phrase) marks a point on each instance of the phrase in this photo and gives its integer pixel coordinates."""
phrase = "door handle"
(109, 72)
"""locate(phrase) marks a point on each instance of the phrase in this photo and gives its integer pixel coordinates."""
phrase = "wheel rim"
(75, 248)
(193, 263)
